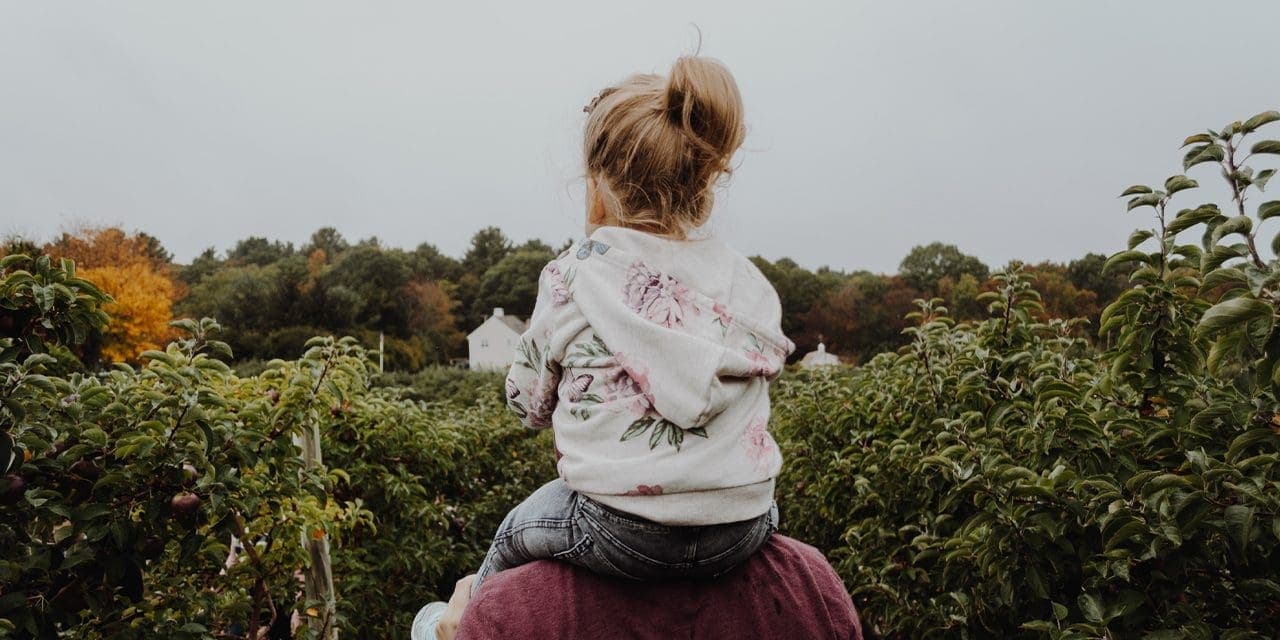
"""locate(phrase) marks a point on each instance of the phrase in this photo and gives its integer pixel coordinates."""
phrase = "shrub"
(446, 384)
(998, 479)
(127, 491)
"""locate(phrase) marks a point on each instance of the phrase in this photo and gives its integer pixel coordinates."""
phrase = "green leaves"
(1269, 209)
(1211, 152)
(1124, 257)
(1188, 218)
(1232, 314)
(1091, 607)
(1253, 123)
(1239, 521)
(1199, 138)
(1260, 181)
(1235, 224)
(1249, 439)
(1138, 237)
(1179, 183)
(1136, 189)
(1146, 200)
(1229, 277)
(64, 310)
(1266, 146)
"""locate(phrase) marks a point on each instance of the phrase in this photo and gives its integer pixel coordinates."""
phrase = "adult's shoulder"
(786, 590)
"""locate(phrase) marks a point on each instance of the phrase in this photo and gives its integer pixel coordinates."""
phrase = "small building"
(493, 344)
(819, 358)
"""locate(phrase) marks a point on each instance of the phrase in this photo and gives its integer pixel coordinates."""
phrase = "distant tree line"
(273, 296)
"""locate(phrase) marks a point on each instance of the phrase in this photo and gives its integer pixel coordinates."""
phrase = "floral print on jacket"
(657, 296)
(657, 392)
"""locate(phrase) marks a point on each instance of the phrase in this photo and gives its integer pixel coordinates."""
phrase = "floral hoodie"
(651, 360)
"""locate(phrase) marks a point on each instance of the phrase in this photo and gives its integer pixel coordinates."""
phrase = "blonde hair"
(656, 146)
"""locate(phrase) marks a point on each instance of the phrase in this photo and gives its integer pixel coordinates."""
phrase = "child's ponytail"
(702, 99)
(655, 146)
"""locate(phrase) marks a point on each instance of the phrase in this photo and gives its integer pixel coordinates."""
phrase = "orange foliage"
(129, 268)
(431, 308)
(316, 262)
(105, 246)
(141, 312)
(1061, 298)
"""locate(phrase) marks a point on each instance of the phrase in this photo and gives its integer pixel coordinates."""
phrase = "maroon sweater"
(787, 590)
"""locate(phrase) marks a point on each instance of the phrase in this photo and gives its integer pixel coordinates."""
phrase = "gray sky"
(1006, 128)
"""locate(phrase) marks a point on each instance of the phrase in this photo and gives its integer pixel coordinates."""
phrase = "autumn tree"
(141, 310)
(838, 320)
(862, 317)
(798, 289)
(108, 246)
(135, 270)
(1059, 296)
(961, 296)
(431, 317)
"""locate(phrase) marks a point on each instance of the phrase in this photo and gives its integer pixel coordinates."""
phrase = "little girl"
(650, 352)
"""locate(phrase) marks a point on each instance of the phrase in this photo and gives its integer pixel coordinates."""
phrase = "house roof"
(516, 325)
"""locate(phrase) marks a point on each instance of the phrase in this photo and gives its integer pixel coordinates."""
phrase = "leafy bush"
(438, 480)
(46, 308)
(993, 478)
(125, 490)
(999, 479)
(446, 384)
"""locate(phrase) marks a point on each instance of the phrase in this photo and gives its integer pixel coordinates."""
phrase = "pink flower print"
(758, 443)
(559, 288)
(645, 490)
(658, 297)
(722, 314)
(542, 403)
(723, 317)
(761, 364)
(630, 381)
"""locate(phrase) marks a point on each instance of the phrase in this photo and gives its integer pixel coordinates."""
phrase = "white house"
(819, 358)
(493, 344)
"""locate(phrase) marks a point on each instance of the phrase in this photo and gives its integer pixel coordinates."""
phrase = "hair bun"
(703, 101)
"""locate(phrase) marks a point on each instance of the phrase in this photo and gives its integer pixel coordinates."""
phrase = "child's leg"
(541, 527)
(630, 547)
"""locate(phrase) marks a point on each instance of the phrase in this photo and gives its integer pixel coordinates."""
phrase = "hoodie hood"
(692, 322)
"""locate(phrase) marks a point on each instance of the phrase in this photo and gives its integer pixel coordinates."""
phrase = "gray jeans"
(557, 522)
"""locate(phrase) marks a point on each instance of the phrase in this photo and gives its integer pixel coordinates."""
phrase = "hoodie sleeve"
(533, 382)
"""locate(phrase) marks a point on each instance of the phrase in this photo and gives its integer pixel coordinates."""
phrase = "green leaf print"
(583, 410)
(585, 354)
(659, 429)
(529, 354)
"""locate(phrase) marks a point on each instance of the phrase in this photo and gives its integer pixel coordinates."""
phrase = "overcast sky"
(1007, 128)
